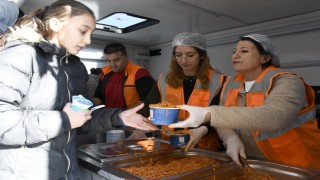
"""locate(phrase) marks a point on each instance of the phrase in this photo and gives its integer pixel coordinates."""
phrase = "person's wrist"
(66, 121)
(120, 121)
(207, 117)
(204, 130)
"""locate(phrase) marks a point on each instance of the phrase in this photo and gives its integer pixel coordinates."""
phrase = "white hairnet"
(190, 39)
(266, 44)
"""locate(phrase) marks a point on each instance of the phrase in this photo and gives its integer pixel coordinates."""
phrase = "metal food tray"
(165, 157)
(277, 171)
(104, 151)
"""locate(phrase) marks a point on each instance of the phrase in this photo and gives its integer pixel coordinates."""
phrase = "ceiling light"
(121, 22)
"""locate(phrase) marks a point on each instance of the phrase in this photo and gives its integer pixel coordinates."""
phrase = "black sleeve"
(66, 121)
(77, 74)
(144, 86)
(86, 78)
(216, 99)
(97, 93)
(103, 120)
(152, 98)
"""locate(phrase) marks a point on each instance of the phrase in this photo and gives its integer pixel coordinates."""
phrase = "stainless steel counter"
(106, 160)
(101, 169)
(97, 157)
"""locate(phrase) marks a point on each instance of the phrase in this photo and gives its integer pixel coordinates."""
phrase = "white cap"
(190, 39)
(266, 44)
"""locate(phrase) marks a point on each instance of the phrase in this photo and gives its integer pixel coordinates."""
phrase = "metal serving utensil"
(244, 162)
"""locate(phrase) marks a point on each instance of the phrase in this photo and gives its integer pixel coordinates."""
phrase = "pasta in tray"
(251, 174)
(181, 132)
(158, 170)
(163, 104)
(258, 176)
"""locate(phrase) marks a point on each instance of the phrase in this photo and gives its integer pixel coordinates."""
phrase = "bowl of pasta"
(163, 113)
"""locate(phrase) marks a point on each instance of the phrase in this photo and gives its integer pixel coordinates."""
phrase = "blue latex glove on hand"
(197, 116)
(195, 136)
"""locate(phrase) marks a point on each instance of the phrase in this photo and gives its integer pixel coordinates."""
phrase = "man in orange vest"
(122, 84)
(271, 110)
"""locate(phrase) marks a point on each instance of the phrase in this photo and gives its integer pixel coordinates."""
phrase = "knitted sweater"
(285, 100)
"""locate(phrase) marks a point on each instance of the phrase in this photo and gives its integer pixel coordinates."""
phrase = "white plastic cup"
(79, 103)
(115, 136)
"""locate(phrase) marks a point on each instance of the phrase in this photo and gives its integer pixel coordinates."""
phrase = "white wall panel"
(292, 48)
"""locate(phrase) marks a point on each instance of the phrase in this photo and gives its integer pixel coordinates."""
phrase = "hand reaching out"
(132, 119)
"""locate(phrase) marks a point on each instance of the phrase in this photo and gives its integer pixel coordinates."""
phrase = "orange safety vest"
(297, 144)
(130, 92)
(198, 97)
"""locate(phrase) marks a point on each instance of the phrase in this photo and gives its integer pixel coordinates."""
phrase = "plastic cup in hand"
(80, 103)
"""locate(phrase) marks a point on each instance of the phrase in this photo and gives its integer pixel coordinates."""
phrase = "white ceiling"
(203, 16)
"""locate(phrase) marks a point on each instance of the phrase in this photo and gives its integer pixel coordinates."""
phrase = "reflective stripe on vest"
(297, 144)
(130, 91)
(198, 97)
(257, 94)
(214, 85)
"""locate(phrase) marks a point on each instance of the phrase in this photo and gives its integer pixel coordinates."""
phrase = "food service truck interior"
(147, 28)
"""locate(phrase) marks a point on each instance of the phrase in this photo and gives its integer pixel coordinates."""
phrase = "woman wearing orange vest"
(193, 81)
(271, 110)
